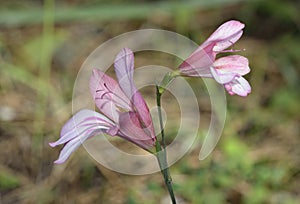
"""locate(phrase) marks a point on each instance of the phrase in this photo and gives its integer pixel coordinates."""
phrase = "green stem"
(163, 165)
(161, 152)
(158, 102)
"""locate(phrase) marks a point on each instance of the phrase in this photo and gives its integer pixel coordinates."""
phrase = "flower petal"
(124, 67)
(233, 64)
(142, 109)
(202, 58)
(81, 126)
(198, 63)
(108, 96)
(132, 130)
(80, 123)
(222, 78)
(226, 35)
(222, 45)
(239, 86)
(72, 145)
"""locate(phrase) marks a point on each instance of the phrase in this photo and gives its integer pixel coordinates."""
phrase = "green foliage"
(286, 101)
(289, 62)
(88, 174)
(213, 180)
(33, 47)
(258, 194)
(8, 181)
(155, 188)
(131, 200)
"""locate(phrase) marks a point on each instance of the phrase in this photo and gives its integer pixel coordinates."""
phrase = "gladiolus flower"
(124, 111)
(226, 70)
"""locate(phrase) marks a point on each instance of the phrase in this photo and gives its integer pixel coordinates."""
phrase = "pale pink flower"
(225, 70)
(124, 111)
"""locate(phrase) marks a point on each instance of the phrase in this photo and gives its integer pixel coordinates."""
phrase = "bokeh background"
(42, 47)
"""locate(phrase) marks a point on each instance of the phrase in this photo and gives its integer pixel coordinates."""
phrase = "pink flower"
(225, 70)
(124, 111)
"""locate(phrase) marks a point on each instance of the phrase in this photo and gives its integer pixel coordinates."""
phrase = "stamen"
(231, 50)
(109, 97)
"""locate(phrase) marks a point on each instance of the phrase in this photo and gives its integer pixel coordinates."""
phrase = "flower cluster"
(124, 111)
(225, 70)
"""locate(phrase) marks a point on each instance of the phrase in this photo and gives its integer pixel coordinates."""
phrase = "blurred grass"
(257, 159)
(34, 15)
(44, 73)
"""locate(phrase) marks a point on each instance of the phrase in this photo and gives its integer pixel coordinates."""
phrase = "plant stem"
(161, 152)
(163, 165)
(158, 102)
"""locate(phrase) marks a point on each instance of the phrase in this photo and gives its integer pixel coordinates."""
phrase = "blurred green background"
(42, 47)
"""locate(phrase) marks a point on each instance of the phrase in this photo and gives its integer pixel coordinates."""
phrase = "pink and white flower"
(124, 111)
(225, 70)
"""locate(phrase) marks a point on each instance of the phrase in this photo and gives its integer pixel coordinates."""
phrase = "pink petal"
(239, 86)
(108, 96)
(226, 35)
(142, 109)
(70, 147)
(233, 64)
(113, 131)
(66, 152)
(222, 45)
(200, 60)
(124, 67)
(81, 126)
(132, 130)
(198, 63)
(222, 78)
(80, 123)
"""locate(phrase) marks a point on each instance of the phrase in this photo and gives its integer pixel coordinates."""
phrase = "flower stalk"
(161, 153)
(163, 165)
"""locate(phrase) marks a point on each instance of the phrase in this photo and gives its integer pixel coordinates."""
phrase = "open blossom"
(225, 70)
(124, 111)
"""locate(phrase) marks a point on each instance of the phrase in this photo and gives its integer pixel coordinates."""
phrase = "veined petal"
(233, 64)
(142, 109)
(73, 144)
(81, 126)
(132, 130)
(242, 87)
(80, 123)
(108, 96)
(239, 86)
(222, 45)
(222, 78)
(198, 63)
(226, 35)
(226, 30)
(124, 67)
